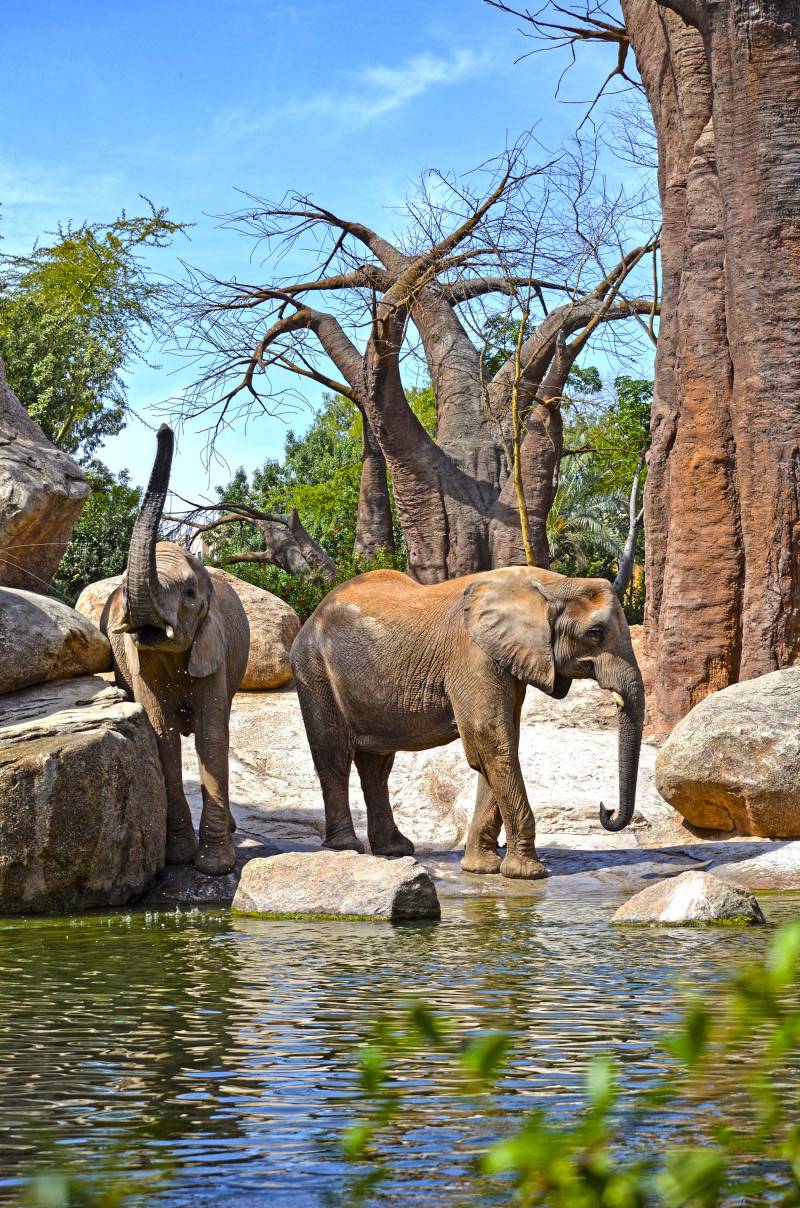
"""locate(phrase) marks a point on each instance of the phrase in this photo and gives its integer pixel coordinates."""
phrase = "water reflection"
(228, 1045)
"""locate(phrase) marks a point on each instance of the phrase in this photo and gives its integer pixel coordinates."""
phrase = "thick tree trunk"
(722, 491)
(443, 511)
(374, 528)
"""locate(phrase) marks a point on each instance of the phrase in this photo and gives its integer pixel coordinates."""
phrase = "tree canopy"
(74, 314)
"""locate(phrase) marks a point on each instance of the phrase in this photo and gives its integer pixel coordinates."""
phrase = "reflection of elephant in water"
(387, 665)
(180, 641)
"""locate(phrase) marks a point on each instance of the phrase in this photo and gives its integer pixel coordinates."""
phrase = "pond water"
(227, 1047)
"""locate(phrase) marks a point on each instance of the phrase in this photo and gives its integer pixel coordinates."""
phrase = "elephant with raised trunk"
(180, 641)
(386, 665)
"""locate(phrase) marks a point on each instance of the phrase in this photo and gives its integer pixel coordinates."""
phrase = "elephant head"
(168, 595)
(546, 630)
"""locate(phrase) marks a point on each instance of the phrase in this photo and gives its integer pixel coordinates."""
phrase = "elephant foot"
(215, 859)
(181, 846)
(344, 841)
(481, 860)
(396, 845)
(523, 868)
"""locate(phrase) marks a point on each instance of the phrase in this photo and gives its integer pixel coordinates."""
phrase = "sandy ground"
(568, 752)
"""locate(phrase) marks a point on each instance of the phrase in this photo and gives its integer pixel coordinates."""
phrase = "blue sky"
(346, 100)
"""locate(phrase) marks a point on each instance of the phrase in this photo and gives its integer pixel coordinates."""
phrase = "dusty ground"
(568, 752)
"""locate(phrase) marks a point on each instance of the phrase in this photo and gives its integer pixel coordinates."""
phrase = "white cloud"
(381, 89)
(365, 95)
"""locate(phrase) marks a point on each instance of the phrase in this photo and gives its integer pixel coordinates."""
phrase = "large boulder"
(83, 807)
(733, 763)
(42, 639)
(337, 884)
(274, 624)
(689, 899)
(42, 492)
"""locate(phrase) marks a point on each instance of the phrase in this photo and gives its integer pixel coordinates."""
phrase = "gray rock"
(777, 868)
(691, 898)
(82, 802)
(42, 491)
(733, 763)
(42, 639)
(338, 884)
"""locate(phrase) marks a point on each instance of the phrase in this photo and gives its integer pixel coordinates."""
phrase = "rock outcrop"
(775, 869)
(42, 639)
(337, 883)
(733, 763)
(82, 801)
(274, 624)
(691, 898)
(42, 491)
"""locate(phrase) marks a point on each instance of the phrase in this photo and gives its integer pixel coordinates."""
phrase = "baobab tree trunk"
(721, 500)
(374, 528)
(443, 511)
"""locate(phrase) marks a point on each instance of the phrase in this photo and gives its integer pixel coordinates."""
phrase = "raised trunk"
(143, 591)
(374, 528)
(721, 501)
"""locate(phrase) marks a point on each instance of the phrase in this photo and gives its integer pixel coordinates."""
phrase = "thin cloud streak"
(373, 91)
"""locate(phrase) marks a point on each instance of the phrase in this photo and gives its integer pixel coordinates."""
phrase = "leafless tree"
(371, 311)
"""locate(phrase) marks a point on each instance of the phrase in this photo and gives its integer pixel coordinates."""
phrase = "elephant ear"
(208, 647)
(507, 615)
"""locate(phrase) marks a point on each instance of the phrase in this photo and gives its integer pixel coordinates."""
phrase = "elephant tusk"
(618, 699)
(125, 627)
(170, 632)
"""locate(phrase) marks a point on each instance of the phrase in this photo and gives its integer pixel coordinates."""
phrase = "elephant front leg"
(492, 750)
(216, 854)
(481, 854)
(181, 841)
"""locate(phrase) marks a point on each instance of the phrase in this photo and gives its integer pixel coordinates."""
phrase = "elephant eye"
(595, 634)
(190, 593)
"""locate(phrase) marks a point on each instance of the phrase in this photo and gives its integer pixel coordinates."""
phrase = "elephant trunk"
(622, 677)
(145, 605)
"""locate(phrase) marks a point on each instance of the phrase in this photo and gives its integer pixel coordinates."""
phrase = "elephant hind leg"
(481, 854)
(384, 837)
(331, 750)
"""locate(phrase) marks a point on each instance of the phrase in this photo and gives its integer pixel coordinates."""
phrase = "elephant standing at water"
(386, 665)
(180, 642)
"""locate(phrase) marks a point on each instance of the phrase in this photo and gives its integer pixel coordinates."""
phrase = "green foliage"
(73, 315)
(588, 523)
(100, 539)
(751, 1026)
(585, 524)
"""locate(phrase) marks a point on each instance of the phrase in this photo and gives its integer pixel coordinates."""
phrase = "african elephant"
(180, 642)
(386, 665)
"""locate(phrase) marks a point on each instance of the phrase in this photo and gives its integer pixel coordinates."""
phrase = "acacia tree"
(722, 502)
(369, 305)
(74, 314)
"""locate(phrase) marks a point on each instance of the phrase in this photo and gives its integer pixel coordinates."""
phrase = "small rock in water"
(692, 897)
(337, 884)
